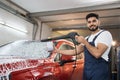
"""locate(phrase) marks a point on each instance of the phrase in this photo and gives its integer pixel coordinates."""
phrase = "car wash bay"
(37, 20)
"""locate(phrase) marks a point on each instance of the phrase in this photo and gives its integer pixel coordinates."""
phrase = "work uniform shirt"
(97, 69)
(106, 38)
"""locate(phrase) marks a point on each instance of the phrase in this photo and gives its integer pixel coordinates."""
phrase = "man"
(96, 48)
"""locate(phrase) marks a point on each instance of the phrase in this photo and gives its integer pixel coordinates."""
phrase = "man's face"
(93, 23)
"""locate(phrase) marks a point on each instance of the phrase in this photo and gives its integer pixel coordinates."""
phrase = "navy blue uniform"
(95, 69)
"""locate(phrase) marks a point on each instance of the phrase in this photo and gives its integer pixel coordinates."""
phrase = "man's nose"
(91, 23)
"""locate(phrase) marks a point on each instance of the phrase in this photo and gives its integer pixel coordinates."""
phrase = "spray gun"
(69, 35)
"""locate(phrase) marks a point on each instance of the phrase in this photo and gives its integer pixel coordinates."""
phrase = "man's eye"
(89, 21)
(94, 21)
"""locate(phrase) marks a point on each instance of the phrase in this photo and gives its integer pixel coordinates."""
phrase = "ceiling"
(70, 14)
(34, 6)
(64, 14)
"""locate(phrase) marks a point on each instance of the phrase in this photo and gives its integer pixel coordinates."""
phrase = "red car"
(23, 62)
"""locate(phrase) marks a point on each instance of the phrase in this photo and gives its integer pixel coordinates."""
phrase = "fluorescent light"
(8, 26)
(17, 28)
(2, 22)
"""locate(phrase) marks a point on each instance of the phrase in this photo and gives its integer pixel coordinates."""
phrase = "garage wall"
(43, 31)
(116, 34)
(46, 31)
(13, 28)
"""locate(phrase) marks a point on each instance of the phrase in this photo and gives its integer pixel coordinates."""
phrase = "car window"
(58, 57)
(67, 47)
(62, 47)
(26, 49)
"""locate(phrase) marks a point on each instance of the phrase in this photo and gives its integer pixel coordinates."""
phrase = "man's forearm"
(67, 52)
(93, 50)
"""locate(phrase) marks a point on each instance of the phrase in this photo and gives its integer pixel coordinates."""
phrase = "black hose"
(74, 67)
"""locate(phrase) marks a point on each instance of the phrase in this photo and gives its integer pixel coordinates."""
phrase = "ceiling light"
(2, 22)
(8, 26)
(17, 28)
(113, 43)
(72, 20)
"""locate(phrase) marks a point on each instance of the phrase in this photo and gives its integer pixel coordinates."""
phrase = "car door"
(71, 69)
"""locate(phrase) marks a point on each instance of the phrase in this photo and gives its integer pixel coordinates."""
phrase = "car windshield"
(25, 49)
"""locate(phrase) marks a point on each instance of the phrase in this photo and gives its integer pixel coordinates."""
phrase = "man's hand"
(80, 39)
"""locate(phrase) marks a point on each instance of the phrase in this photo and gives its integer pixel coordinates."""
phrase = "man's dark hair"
(92, 15)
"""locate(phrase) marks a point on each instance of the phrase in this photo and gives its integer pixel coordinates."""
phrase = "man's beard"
(93, 29)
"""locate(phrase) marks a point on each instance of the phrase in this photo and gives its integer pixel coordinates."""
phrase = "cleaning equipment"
(69, 35)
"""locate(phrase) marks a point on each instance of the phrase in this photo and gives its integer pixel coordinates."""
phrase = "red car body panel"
(43, 69)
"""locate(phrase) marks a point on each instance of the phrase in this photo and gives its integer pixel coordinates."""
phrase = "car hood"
(9, 64)
(23, 54)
